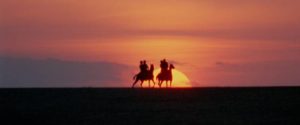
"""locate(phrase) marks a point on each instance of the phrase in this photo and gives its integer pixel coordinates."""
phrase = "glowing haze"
(213, 42)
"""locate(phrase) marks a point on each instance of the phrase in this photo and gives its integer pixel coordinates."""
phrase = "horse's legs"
(153, 83)
(149, 83)
(134, 83)
(166, 83)
(142, 81)
(161, 82)
(171, 83)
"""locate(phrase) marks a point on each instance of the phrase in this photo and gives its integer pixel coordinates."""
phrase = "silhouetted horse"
(165, 76)
(143, 76)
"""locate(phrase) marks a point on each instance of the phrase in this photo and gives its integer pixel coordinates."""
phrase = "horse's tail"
(134, 77)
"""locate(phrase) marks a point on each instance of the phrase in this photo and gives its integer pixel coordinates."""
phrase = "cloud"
(177, 62)
(25, 72)
(40, 20)
(267, 73)
(220, 63)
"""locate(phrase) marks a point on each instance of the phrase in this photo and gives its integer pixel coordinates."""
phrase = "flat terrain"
(89, 106)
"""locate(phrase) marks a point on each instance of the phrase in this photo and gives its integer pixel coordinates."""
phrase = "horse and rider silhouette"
(146, 74)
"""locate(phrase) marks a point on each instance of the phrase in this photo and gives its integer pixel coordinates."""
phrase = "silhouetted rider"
(164, 65)
(146, 67)
(143, 66)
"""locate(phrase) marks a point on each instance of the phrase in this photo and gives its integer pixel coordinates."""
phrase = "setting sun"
(179, 78)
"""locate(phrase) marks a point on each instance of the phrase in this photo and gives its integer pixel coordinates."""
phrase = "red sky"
(214, 42)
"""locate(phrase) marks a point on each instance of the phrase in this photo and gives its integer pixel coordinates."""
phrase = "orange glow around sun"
(179, 79)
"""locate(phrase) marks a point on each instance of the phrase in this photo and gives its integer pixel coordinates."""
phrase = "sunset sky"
(213, 42)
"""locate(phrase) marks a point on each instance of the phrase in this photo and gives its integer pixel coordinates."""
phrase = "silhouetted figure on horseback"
(144, 74)
(164, 65)
(165, 73)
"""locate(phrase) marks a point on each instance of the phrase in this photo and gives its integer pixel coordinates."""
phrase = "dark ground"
(72, 106)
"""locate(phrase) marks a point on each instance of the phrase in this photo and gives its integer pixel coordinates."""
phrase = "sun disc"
(179, 78)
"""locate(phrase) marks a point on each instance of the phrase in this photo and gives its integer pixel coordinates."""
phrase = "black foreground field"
(101, 106)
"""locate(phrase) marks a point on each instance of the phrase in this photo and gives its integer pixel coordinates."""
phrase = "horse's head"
(151, 67)
(172, 66)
